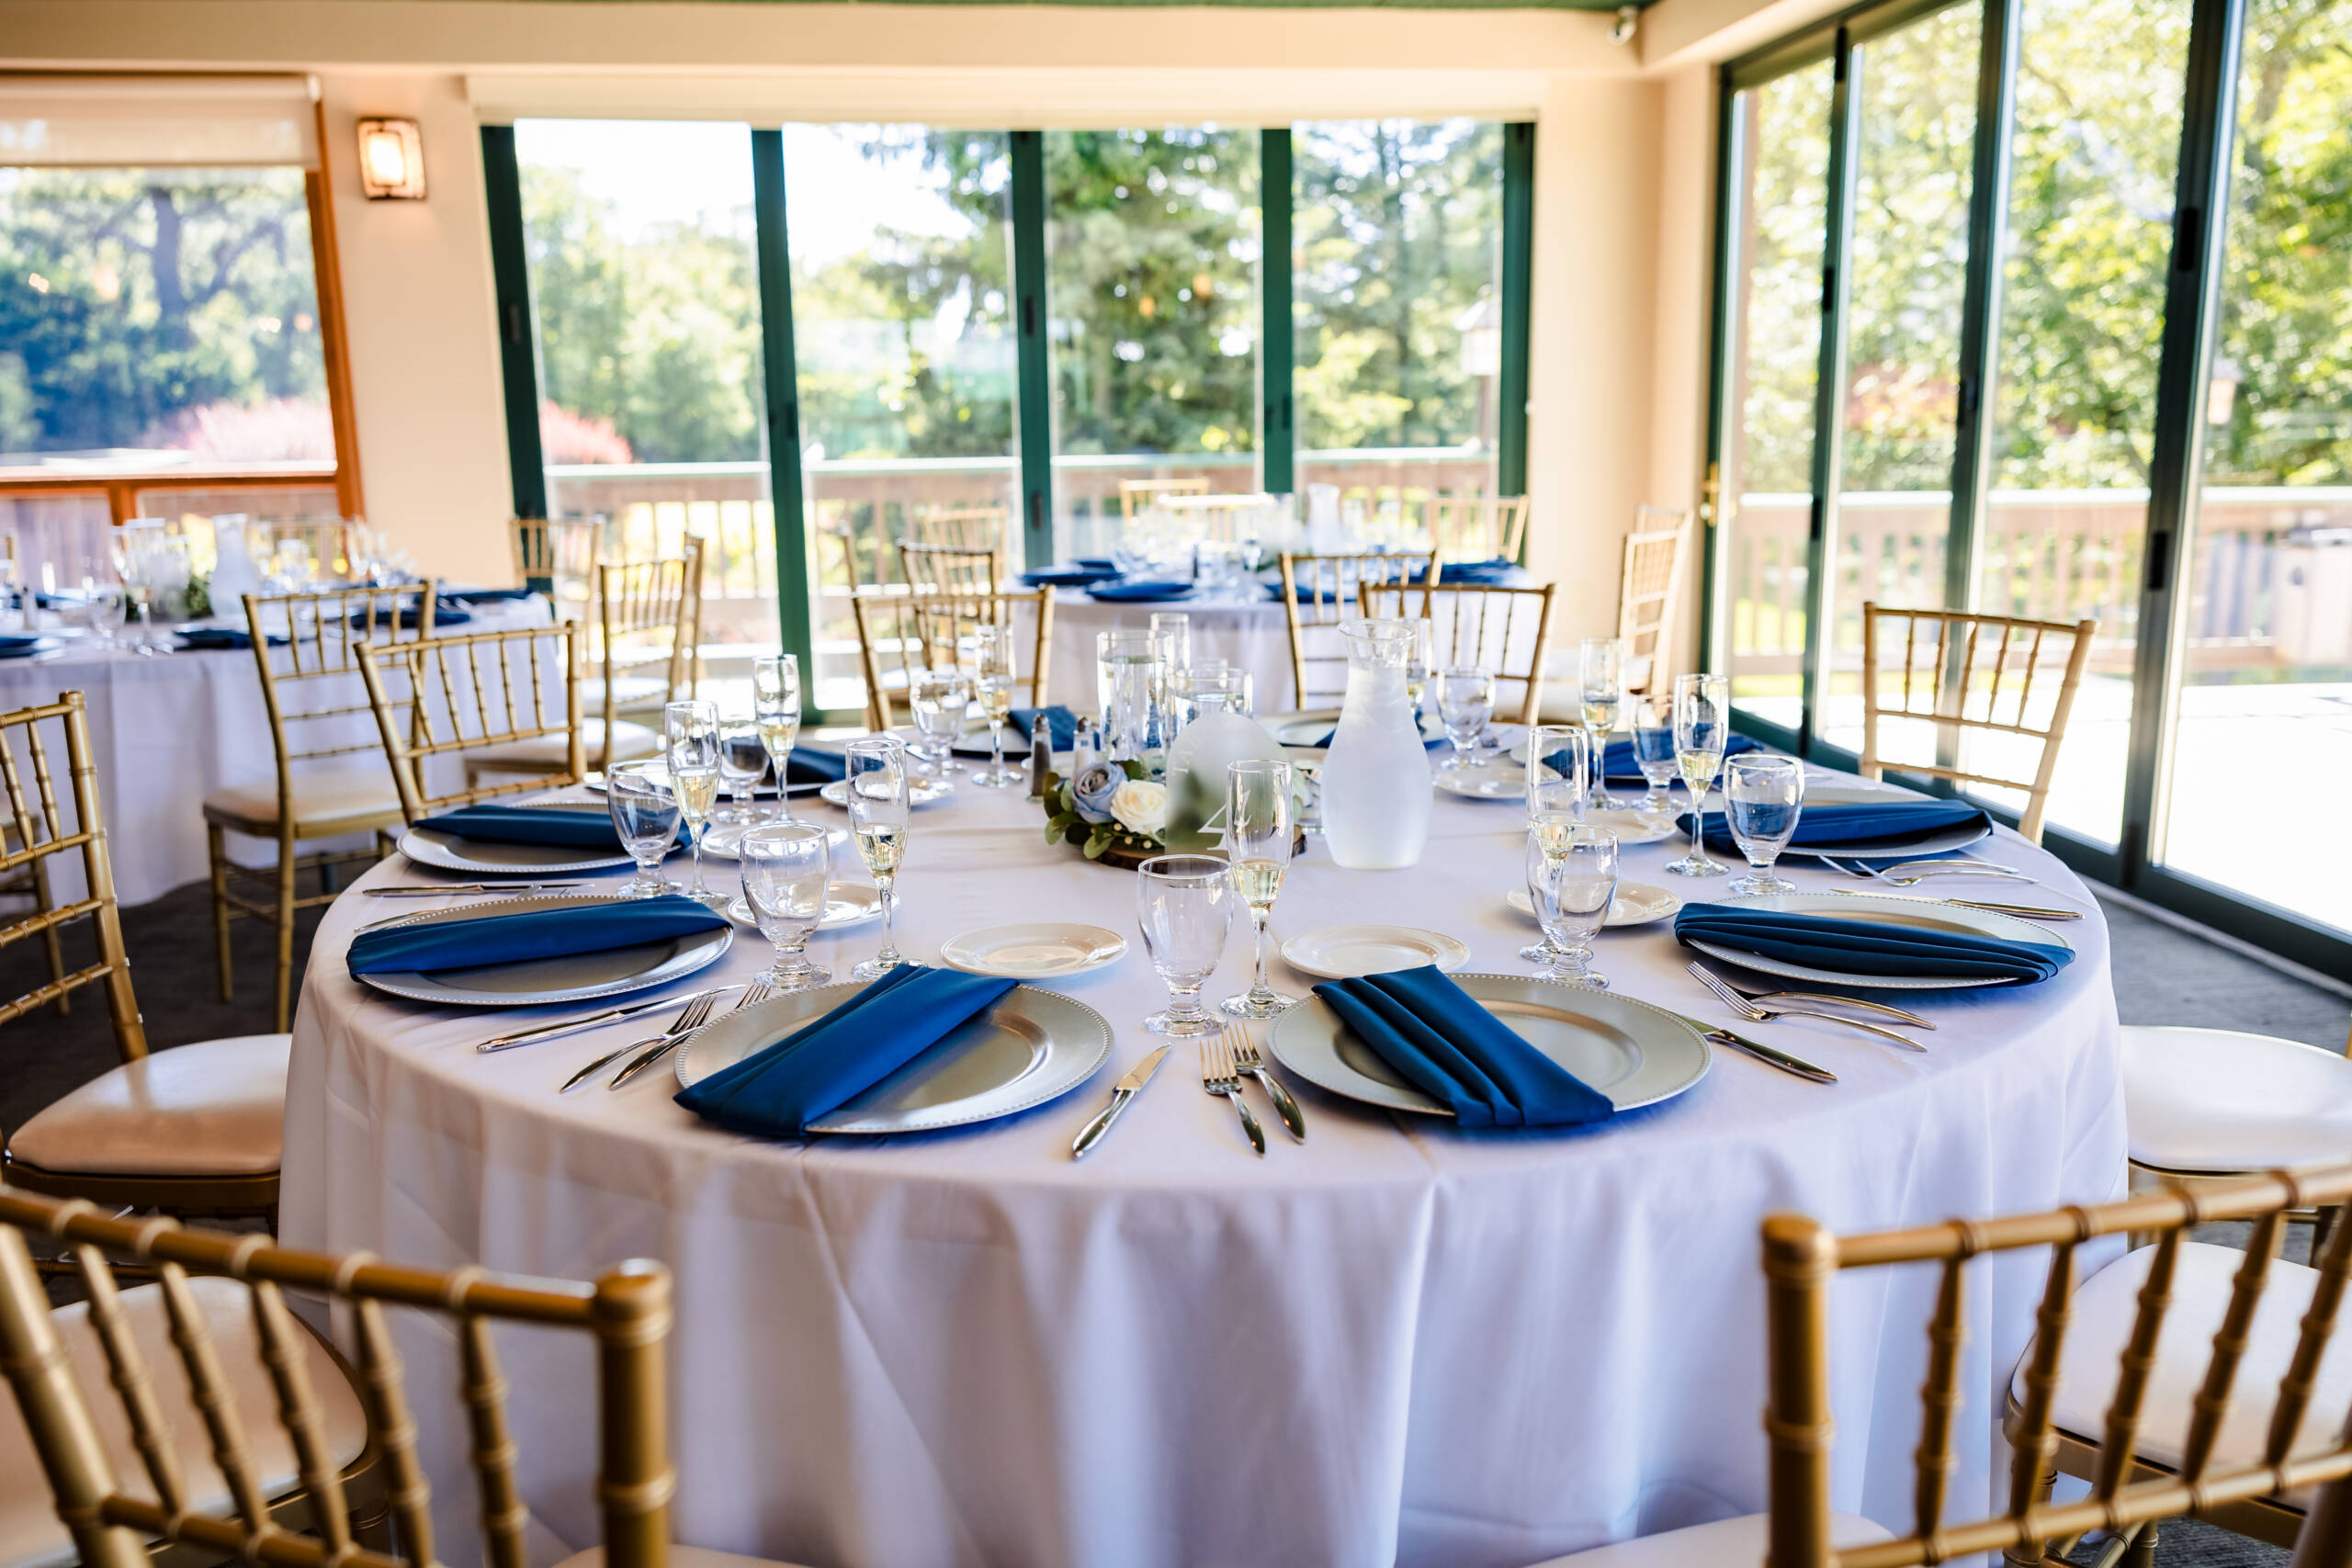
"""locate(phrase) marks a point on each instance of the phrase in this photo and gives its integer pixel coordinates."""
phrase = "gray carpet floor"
(2162, 975)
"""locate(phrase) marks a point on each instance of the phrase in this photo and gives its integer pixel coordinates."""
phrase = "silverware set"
(1749, 1006)
(1229, 1055)
(693, 1016)
(435, 889)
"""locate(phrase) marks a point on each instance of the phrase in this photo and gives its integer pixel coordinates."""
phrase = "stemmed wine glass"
(775, 709)
(874, 767)
(691, 732)
(938, 696)
(1465, 703)
(1653, 725)
(645, 814)
(1260, 824)
(1556, 757)
(992, 680)
(742, 761)
(1701, 727)
(1185, 903)
(1571, 880)
(1600, 665)
(1762, 796)
(786, 867)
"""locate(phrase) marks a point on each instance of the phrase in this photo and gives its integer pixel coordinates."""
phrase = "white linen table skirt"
(1397, 1343)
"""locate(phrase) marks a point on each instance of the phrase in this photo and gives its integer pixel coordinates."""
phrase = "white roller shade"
(158, 121)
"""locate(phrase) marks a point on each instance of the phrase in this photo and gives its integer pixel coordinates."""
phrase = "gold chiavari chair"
(1942, 681)
(302, 1462)
(1477, 527)
(962, 527)
(2184, 1378)
(477, 694)
(1136, 494)
(949, 569)
(558, 558)
(1648, 589)
(1506, 630)
(900, 633)
(194, 1129)
(1318, 593)
(329, 782)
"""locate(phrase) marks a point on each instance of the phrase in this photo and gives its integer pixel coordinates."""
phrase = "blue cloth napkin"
(1134, 592)
(1864, 826)
(20, 647)
(1618, 765)
(1868, 947)
(445, 614)
(1071, 576)
(1476, 572)
(459, 598)
(538, 933)
(1104, 561)
(778, 1090)
(1445, 1044)
(807, 766)
(530, 824)
(1062, 723)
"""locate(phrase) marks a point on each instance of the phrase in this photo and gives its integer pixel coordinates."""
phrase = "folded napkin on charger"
(1071, 576)
(1870, 947)
(444, 615)
(1445, 1044)
(1618, 765)
(530, 824)
(215, 638)
(535, 933)
(1475, 572)
(777, 1092)
(1863, 825)
(459, 598)
(807, 765)
(15, 645)
(1062, 723)
(1134, 592)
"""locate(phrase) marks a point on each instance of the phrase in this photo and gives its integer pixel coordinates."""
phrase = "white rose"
(1140, 807)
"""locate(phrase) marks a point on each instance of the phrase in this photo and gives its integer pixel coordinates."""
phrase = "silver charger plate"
(1918, 913)
(1633, 1054)
(1943, 841)
(921, 791)
(579, 976)
(724, 840)
(846, 904)
(431, 846)
(1030, 1047)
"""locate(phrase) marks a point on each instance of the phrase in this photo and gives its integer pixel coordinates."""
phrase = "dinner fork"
(690, 1018)
(757, 991)
(1217, 1078)
(1248, 1063)
(1757, 1014)
(1704, 973)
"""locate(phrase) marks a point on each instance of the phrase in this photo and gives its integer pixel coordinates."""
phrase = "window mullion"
(1517, 290)
(1980, 310)
(1829, 401)
(1277, 349)
(1035, 418)
(780, 372)
(511, 277)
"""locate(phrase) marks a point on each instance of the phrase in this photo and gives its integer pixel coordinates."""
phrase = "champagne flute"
(691, 732)
(1571, 887)
(1465, 703)
(1260, 825)
(1601, 661)
(776, 708)
(1556, 755)
(645, 814)
(1702, 725)
(1653, 725)
(992, 680)
(786, 867)
(1762, 796)
(1184, 906)
(874, 767)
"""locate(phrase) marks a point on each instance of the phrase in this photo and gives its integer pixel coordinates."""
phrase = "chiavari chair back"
(1973, 680)
(481, 699)
(1136, 494)
(1318, 593)
(962, 527)
(557, 559)
(1648, 588)
(301, 1462)
(1219, 517)
(1506, 629)
(1477, 527)
(949, 569)
(899, 632)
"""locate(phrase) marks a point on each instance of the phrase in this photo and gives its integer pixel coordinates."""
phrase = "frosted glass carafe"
(1376, 774)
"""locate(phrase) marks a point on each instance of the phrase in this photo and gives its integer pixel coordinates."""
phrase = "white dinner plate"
(1307, 728)
(921, 791)
(1636, 904)
(431, 846)
(720, 842)
(1497, 778)
(612, 972)
(1632, 830)
(1633, 1054)
(1343, 952)
(1036, 951)
(1918, 913)
(1030, 1047)
(846, 904)
(1918, 847)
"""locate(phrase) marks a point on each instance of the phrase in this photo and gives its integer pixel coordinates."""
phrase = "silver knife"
(433, 890)
(1780, 1059)
(1955, 868)
(550, 1031)
(1122, 1094)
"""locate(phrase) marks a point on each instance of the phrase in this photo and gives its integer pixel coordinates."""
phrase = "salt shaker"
(1085, 747)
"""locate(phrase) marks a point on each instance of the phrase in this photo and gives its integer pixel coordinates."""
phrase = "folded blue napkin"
(1062, 723)
(1618, 765)
(1132, 592)
(538, 933)
(1870, 947)
(445, 614)
(1476, 572)
(530, 824)
(1104, 561)
(809, 766)
(459, 598)
(1452, 1049)
(15, 646)
(1071, 576)
(1863, 826)
(778, 1090)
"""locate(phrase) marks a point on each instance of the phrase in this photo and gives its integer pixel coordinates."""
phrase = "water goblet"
(1653, 725)
(742, 761)
(690, 734)
(874, 768)
(1763, 798)
(1701, 727)
(776, 708)
(1261, 822)
(103, 606)
(1466, 704)
(992, 683)
(1601, 671)
(1184, 905)
(786, 867)
(645, 814)
(1570, 880)
(939, 698)
(1557, 793)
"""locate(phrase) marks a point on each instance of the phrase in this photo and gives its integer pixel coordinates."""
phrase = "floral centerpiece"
(1113, 810)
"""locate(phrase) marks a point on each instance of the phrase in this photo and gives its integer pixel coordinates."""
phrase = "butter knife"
(550, 1031)
(1718, 1035)
(1122, 1094)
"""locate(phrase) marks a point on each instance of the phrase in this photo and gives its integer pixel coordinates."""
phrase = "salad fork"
(1704, 973)
(1754, 1013)
(690, 1019)
(1248, 1063)
(753, 993)
(1217, 1077)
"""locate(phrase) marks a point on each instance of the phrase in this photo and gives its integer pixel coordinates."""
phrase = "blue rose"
(1090, 791)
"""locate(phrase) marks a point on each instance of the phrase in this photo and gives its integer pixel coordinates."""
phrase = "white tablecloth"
(1252, 634)
(1397, 1343)
(168, 730)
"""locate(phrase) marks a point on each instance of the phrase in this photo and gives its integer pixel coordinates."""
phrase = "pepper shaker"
(1041, 755)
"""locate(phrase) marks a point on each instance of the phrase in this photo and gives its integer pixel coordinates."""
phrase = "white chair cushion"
(215, 1108)
(2104, 1307)
(631, 741)
(1717, 1545)
(680, 1557)
(2213, 1100)
(322, 800)
(31, 1533)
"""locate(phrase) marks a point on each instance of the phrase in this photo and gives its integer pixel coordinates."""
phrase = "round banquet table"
(1397, 1343)
(1248, 633)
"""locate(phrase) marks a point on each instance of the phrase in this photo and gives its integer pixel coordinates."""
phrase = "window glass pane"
(154, 319)
(902, 326)
(1152, 242)
(1783, 147)
(2267, 668)
(1398, 306)
(644, 291)
(1907, 267)
(2098, 115)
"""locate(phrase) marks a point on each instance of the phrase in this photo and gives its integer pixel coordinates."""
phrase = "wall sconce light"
(391, 159)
